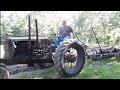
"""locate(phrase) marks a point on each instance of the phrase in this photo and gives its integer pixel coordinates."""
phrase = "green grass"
(104, 69)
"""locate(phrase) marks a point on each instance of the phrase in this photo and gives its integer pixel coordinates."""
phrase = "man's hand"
(72, 35)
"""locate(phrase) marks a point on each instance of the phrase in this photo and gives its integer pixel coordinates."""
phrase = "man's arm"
(59, 32)
(72, 33)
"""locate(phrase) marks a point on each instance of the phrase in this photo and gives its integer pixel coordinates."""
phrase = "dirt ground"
(14, 69)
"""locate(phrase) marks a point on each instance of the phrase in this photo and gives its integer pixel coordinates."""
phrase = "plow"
(105, 53)
(100, 53)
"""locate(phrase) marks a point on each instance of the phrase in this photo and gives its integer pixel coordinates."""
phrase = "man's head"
(64, 23)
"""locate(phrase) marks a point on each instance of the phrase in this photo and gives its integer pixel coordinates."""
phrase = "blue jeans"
(60, 39)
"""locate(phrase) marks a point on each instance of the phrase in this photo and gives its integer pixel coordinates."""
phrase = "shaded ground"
(15, 69)
(24, 72)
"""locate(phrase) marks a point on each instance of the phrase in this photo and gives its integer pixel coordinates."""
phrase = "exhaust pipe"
(36, 25)
(29, 26)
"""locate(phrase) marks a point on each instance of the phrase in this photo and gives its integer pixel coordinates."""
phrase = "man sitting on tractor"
(66, 32)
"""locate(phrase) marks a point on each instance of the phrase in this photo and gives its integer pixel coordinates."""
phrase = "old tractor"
(68, 58)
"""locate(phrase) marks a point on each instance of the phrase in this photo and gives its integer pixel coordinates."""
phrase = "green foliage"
(106, 24)
(115, 20)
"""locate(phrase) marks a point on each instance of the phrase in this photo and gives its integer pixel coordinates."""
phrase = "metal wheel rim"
(70, 66)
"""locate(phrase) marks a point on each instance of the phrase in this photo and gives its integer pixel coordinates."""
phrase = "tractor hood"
(24, 38)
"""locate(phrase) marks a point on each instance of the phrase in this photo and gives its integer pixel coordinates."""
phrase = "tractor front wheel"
(4, 74)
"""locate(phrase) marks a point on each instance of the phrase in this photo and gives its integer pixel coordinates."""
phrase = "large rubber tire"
(59, 57)
(4, 74)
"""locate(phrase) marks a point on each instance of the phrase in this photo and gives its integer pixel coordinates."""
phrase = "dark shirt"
(65, 31)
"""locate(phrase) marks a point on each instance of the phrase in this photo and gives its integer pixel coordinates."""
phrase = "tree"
(106, 24)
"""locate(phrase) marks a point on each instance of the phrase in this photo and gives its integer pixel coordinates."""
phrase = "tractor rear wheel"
(69, 58)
